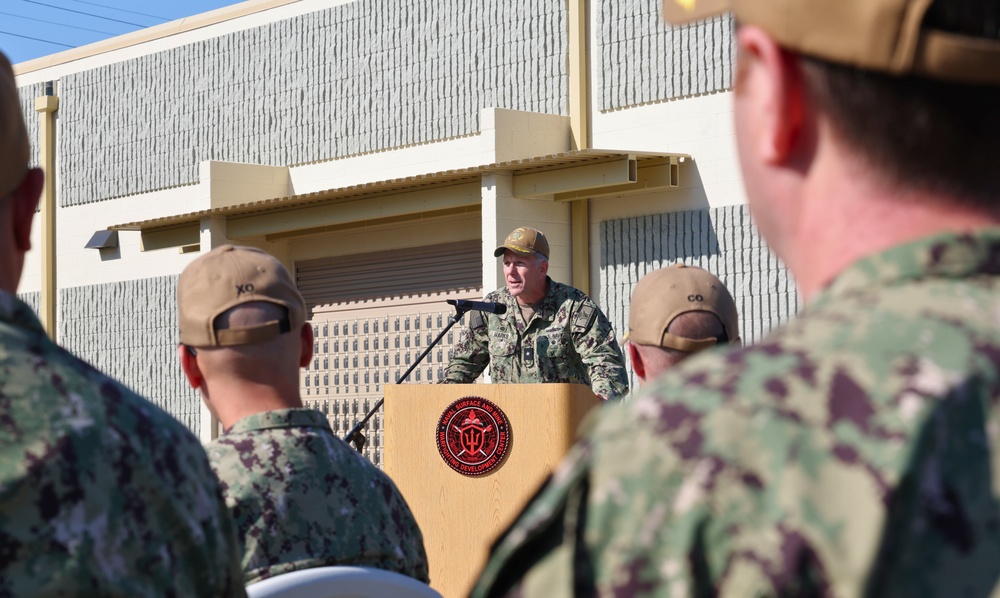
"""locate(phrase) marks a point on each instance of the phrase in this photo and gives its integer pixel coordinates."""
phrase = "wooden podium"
(461, 515)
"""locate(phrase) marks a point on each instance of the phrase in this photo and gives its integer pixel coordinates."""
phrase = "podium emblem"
(473, 435)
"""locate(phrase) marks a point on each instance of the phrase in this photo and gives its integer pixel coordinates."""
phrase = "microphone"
(490, 308)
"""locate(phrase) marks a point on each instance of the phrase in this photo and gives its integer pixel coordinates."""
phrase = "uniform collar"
(280, 418)
(947, 255)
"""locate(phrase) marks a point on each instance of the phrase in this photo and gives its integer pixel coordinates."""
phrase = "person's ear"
(306, 338)
(772, 80)
(636, 360)
(189, 364)
(544, 267)
(24, 202)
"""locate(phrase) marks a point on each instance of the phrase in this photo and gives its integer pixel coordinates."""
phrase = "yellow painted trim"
(172, 236)
(650, 175)
(358, 210)
(579, 119)
(149, 34)
(547, 183)
(333, 228)
(580, 243)
(579, 85)
(47, 106)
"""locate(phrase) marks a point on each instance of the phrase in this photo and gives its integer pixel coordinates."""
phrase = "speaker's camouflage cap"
(524, 241)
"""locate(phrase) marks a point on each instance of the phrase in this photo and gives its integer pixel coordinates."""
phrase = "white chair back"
(341, 582)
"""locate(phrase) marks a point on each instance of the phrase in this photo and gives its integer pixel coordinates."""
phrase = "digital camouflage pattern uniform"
(854, 452)
(303, 498)
(568, 339)
(101, 492)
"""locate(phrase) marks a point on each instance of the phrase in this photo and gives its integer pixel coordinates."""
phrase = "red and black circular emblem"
(473, 435)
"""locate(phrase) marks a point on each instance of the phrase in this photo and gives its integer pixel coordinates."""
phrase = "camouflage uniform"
(567, 340)
(854, 451)
(101, 492)
(302, 498)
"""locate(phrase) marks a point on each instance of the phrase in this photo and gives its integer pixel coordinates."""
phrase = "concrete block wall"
(721, 240)
(355, 358)
(27, 95)
(34, 300)
(356, 78)
(128, 330)
(641, 59)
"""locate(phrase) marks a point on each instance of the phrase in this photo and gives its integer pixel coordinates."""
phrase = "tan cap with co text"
(664, 294)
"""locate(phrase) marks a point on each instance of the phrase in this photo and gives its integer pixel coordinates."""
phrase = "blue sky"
(34, 28)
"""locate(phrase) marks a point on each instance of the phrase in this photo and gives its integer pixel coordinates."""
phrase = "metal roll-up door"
(398, 273)
(373, 315)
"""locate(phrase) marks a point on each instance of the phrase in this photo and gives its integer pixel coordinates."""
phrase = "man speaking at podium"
(541, 331)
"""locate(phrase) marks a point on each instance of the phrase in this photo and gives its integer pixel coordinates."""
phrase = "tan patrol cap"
(524, 241)
(228, 276)
(14, 148)
(878, 35)
(664, 294)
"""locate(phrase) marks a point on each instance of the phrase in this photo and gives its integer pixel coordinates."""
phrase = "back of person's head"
(240, 308)
(14, 147)
(910, 86)
(675, 312)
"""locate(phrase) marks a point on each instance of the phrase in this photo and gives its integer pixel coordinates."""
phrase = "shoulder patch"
(584, 316)
(476, 320)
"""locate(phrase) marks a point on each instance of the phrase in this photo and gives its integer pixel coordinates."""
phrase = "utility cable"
(36, 39)
(80, 12)
(120, 9)
(10, 14)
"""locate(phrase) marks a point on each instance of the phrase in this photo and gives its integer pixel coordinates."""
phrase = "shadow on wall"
(110, 253)
(689, 233)
(721, 240)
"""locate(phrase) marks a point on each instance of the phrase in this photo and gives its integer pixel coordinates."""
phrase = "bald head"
(274, 361)
(240, 380)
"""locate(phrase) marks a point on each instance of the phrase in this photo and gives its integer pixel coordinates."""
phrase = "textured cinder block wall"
(721, 240)
(27, 95)
(360, 77)
(32, 299)
(643, 60)
(128, 330)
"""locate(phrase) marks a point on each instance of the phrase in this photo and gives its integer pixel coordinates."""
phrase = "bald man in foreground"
(300, 496)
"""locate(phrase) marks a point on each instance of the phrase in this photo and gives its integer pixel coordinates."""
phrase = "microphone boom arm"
(355, 434)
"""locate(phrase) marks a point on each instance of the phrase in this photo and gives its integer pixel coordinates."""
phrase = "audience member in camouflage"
(301, 497)
(550, 332)
(830, 457)
(854, 451)
(101, 492)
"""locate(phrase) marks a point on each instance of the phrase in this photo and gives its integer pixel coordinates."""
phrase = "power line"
(36, 39)
(80, 12)
(56, 24)
(120, 9)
